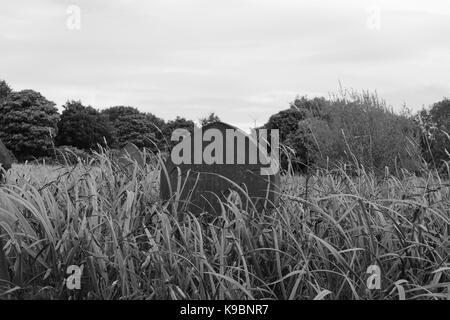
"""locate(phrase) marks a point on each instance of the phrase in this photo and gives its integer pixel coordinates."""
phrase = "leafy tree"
(131, 125)
(312, 108)
(286, 121)
(114, 113)
(83, 127)
(27, 122)
(435, 127)
(310, 141)
(178, 123)
(352, 128)
(295, 138)
(362, 130)
(210, 119)
(4, 90)
(135, 128)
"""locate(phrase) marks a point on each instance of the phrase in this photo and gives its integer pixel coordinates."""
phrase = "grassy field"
(316, 244)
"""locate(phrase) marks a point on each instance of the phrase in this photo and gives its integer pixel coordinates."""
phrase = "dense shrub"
(291, 135)
(177, 123)
(83, 127)
(27, 124)
(286, 121)
(312, 143)
(435, 127)
(209, 119)
(352, 128)
(362, 128)
(5, 90)
(130, 125)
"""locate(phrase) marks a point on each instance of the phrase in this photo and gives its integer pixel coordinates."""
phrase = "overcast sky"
(243, 59)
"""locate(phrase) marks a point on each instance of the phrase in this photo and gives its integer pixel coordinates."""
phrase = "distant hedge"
(351, 128)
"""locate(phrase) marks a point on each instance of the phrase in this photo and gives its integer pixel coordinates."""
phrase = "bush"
(291, 135)
(83, 127)
(364, 131)
(130, 125)
(435, 139)
(350, 128)
(27, 123)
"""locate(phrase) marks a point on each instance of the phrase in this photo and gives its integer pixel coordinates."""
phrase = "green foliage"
(347, 128)
(137, 129)
(5, 90)
(352, 128)
(293, 132)
(310, 142)
(130, 125)
(177, 123)
(286, 121)
(365, 132)
(210, 119)
(114, 113)
(27, 123)
(83, 127)
(157, 126)
(435, 129)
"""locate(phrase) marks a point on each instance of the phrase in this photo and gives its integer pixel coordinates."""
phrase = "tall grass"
(317, 243)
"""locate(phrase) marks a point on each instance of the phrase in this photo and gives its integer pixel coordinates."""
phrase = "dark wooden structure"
(202, 186)
(5, 159)
(130, 155)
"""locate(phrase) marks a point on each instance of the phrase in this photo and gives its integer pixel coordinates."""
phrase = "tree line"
(347, 127)
(31, 126)
(359, 129)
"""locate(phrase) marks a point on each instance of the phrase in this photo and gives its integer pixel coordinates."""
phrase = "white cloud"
(242, 59)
